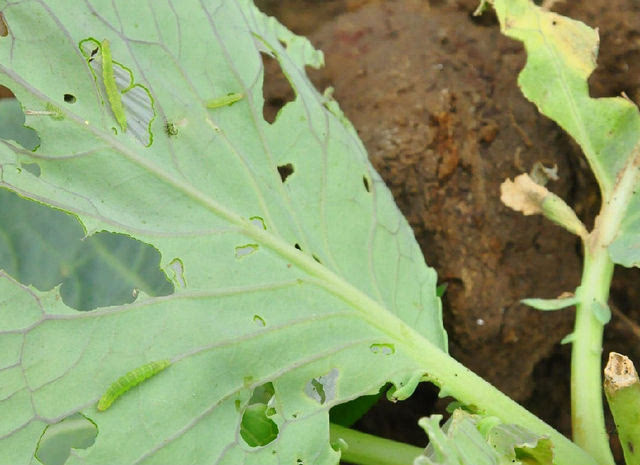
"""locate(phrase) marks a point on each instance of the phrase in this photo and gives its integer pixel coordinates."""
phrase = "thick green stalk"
(469, 388)
(365, 449)
(587, 412)
(438, 367)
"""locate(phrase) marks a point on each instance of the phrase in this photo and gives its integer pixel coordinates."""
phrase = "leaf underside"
(306, 281)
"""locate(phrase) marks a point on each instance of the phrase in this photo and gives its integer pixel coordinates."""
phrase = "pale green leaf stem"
(561, 54)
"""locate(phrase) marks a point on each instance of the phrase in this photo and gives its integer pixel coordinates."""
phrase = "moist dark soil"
(432, 92)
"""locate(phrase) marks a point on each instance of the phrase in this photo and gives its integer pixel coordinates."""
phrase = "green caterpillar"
(113, 94)
(226, 100)
(131, 379)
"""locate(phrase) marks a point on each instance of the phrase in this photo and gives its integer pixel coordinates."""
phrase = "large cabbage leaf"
(293, 272)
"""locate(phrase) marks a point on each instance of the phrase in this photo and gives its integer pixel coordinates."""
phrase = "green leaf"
(325, 306)
(561, 54)
(550, 304)
(468, 439)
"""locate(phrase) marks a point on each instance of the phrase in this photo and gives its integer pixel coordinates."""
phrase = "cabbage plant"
(183, 281)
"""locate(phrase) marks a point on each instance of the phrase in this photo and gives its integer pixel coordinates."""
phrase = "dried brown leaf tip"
(523, 195)
(526, 196)
(619, 372)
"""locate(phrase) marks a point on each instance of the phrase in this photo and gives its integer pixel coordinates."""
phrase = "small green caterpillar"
(131, 379)
(224, 101)
(113, 94)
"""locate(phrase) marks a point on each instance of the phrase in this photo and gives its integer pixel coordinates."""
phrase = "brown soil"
(433, 94)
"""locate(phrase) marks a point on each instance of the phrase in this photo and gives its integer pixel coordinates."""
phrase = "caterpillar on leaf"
(113, 94)
(131, 379)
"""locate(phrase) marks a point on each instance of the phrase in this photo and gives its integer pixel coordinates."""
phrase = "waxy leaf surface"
(310, 283)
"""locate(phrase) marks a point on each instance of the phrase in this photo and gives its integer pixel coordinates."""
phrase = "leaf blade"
(195, 196)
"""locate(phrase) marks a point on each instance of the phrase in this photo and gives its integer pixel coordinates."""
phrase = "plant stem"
(436, 365)
(469, 388)
(587, 414)
(366, 449)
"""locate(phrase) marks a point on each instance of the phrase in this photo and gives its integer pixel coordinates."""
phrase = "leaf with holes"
(561, 54)
(285, 262)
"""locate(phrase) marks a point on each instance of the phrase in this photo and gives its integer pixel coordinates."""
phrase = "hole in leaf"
(43, 247)
(323, 388)
(383, 349)
(259, 321)
(108, 268)
(69, 98)
(297, 246)
(12, 124)
(256, 428)
(262, 394)
(245, 250)
(276, 88)
(258, 222)
(348, 413)
(285, 171)
(135, 110)
(4, 29)
(177, 267)
(57, 440)
(365, 181)
(39, 244)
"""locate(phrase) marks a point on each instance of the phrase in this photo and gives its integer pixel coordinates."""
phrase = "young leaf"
(550, 304)
(468, 439)
(561, 54)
